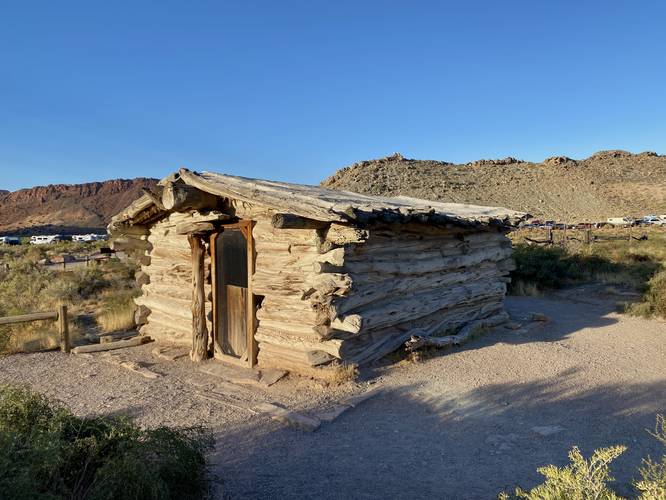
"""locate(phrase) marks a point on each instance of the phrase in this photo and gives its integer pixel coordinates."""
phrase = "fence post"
(63, 328)
(588, 236)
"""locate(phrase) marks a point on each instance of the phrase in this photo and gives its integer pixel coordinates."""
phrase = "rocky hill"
(67, 208)
(607, 184)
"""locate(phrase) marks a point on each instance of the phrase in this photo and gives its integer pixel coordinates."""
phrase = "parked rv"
(45, 240)
(10, 240)
(620, 221)
(88, 237)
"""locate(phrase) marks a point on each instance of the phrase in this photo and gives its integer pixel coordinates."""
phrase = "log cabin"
(308, 279)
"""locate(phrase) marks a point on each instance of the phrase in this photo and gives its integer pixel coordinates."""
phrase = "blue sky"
(293, 90)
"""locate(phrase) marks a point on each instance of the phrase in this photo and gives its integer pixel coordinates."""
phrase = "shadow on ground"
(471, 438)
(407, 444)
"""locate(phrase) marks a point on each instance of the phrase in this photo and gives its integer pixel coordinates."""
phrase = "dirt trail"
(465, 424)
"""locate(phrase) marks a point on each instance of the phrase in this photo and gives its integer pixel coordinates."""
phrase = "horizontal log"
(339, 234)
(377, 349)
(161, 333)
(351, 323)
(272, 355)
(175, 255)
(420, 305)
(432, 265)
(328, 284)
(178, 196)
(383, 288)
(422, 250)
(294, 327)
(284, 315)
(168, 305)
(194, 227)
(154, 197)
(110, 346)
(175, 241)
(378, 343)
(291, 221)
(284, 263)
(418, 340)
(135, 230)
(169, 290)
(26, 318)
(335, 257)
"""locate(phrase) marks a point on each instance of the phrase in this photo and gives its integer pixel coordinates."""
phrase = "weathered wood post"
(195, 232)
(199, 329)
(631, 243)
(63, 328)
(588, 236)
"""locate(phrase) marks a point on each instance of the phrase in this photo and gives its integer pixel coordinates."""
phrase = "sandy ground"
(467, 423)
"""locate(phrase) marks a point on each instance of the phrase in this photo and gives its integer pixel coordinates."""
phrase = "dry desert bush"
(639, 265)
(46, 452)
(103, 290)
(590, 479)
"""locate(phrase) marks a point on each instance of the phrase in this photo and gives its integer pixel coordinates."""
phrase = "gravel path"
(464, 424)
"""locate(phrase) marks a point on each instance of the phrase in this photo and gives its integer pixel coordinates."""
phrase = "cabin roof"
(323, 204)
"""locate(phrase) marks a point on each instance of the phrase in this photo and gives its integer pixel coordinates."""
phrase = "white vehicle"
(10, 240)
(89, 237)
(84, 237)
(45, 240)
(654, 220)
(620, 221)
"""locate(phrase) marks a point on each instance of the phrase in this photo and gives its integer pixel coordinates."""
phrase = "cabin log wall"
(168, 293)
(337, 294)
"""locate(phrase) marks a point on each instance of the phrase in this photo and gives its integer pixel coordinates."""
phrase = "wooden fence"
(60, 316)
(584, 236)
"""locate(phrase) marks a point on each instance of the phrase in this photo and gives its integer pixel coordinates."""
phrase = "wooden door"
(233, 310)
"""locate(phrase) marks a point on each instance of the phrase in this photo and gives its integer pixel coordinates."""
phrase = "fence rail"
(60, 316)
(584, 236)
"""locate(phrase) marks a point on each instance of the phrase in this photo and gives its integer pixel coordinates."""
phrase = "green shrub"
(48, 453)
(580, 480)
(545, 268)
(554, 267)
(654, 298)
(652, 484)
(589, 479)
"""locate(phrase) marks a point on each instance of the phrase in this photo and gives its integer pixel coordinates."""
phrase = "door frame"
(245, 227)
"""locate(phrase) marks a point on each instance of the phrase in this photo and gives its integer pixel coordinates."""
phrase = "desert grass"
(344, 373)
(38, 336)
(653, 302)
(638, 265)
(116, 312)
(523, 288)
(27, 287)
